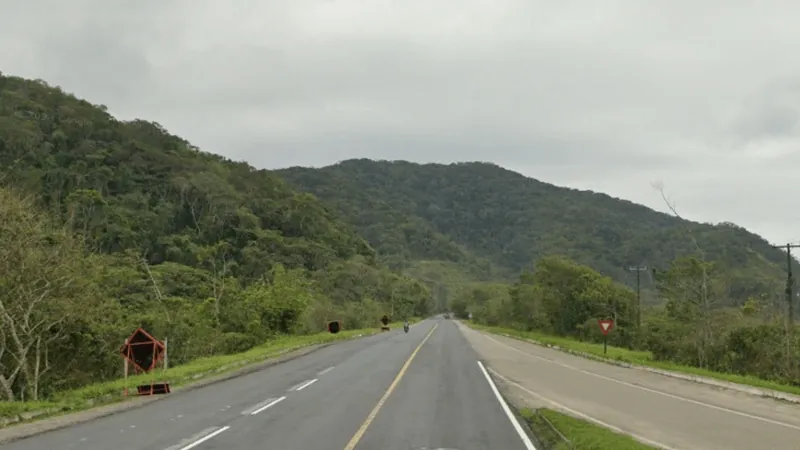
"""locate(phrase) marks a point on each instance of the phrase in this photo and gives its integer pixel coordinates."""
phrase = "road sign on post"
(606, 325)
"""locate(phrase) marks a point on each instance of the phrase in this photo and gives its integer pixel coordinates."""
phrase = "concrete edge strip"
(751, 390)
(24, 430)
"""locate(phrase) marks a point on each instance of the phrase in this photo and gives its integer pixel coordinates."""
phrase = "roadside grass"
(636, 357)
(557, 431)
(186, 374)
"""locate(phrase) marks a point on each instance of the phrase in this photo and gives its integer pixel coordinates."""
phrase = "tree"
(46, 283)
(691, 300)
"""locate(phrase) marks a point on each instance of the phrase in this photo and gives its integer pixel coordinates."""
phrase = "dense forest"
(110, 225)
(693, 326)
(511, 251)
(493, 222)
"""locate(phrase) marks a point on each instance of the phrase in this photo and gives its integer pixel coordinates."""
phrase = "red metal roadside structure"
(145, 352)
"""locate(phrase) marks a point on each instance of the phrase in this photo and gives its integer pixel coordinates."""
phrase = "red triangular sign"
(606, 325)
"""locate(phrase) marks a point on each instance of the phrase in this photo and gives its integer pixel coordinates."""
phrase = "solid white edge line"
(205, 438)
(524, 436)
(268, 405)
(307, 384)
(583, 416)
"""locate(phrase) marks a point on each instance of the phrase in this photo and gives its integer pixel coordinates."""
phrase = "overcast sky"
(597, 94)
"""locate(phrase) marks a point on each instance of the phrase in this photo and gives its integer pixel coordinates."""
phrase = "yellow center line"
(363, 429)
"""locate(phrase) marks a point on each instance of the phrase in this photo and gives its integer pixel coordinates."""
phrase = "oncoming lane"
(323, 415)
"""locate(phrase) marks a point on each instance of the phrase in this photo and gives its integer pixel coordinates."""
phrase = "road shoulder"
(699, 379)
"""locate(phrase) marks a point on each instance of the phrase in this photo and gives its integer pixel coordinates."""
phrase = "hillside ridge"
(507, 221)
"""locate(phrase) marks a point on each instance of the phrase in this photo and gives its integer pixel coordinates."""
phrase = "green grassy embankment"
(637, 357)
(556, 431)
(183, 375)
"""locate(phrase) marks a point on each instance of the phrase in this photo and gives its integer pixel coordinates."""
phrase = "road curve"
(423, 390)
(666, 412)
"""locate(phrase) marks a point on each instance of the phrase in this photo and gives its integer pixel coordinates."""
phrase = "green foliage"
(493, 223)
(112, 225)
(558, 297)
(564, 432)
(560, 301)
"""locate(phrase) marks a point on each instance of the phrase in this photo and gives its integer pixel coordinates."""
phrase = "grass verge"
(556, 431)
(638, 357)
(195, 371)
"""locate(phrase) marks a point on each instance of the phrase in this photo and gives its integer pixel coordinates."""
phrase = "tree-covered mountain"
(109, 225)
(479, 215)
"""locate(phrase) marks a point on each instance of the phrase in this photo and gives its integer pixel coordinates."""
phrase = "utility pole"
(789, 301)
(789, 278)
(638, 270)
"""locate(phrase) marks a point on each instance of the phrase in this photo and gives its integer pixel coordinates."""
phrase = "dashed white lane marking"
(582, 415)
(654, 391)
(525, 439)
(269, 403)
(306, 384)
(323, 372)
(199, 438)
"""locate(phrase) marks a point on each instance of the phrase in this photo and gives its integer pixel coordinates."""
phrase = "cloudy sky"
(609, 95)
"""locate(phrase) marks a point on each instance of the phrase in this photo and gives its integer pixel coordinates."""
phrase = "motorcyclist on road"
(405, 325)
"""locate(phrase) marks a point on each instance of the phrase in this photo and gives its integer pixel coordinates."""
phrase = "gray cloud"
(611, 96)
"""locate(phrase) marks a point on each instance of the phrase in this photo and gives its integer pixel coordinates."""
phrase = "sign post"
(125, 369)
(606, 325)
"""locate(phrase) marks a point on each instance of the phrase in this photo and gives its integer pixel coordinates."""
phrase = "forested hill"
(471, 211)
(134, 185)
(109, 225)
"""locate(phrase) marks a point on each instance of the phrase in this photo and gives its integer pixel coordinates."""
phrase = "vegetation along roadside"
(187, 374)
(557, 431)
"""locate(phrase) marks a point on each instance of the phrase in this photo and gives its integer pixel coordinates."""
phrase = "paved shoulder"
(667, 412)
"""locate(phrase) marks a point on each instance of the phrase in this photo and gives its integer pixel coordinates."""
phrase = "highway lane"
(668, 412)
(421, 390)
(389, 398)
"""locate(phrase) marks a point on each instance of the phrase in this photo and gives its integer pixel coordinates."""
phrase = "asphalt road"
(392, 391)
(667, 412)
